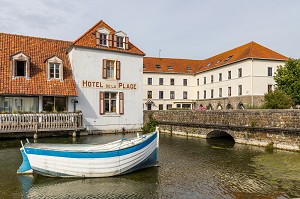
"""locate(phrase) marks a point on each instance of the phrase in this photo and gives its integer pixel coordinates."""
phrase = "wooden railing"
(40, 122)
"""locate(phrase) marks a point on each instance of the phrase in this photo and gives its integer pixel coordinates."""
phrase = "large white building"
(235, 79)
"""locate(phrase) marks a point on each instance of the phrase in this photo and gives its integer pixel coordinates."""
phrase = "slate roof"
(39, 50)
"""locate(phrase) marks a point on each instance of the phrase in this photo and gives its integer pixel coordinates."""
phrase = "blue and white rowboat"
(90, 160)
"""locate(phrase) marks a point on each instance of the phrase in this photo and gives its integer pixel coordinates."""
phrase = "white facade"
(87, 66)
(254, 81)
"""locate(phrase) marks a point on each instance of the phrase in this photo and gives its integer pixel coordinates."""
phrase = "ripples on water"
(188, 168)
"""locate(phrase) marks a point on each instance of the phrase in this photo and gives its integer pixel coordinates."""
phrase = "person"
(201, 107)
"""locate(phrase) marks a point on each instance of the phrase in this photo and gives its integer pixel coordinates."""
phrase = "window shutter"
(61, 72)
(126, 43)
(98, 38)
(110, 40)
(27, 68)
(104, 75)
(101, 103)
(118, 70)
(115, 41)
(121, 103)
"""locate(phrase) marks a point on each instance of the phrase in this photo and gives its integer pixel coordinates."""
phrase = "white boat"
(90, 160)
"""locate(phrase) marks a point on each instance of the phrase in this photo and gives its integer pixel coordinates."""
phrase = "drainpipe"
(252, 83)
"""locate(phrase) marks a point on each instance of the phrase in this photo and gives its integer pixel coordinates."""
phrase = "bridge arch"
(219, 134)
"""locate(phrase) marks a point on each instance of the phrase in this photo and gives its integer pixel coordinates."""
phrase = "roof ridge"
(35, 37)
(174, 58)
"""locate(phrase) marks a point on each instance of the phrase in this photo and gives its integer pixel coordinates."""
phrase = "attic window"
(120, 42)
(219, 61)
(170, 67)
(188, 68)
(21, 65)
(54, 68)
(209, 64)
(228, 58)
(102, 37)
(157, 66)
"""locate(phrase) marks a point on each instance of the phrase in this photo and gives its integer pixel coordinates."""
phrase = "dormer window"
(54, 68)
(21, 65)
(170, 67)
(209, 64)
(121, 40)
(103, 38)
(218, 61)
(157, 66)
(228, 58)
(188, 68)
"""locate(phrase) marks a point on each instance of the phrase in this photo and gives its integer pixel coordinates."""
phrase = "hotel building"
(235, 79)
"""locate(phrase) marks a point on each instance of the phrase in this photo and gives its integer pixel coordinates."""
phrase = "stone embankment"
(273, 128)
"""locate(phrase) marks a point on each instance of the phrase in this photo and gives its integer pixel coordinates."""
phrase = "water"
(188, 168)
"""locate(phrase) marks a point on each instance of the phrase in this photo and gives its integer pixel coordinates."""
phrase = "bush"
(278, 99)
(150, 126)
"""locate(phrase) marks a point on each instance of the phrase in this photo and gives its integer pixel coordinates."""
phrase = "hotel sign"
(108, 85)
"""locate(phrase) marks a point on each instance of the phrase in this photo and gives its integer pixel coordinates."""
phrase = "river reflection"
(188, 168)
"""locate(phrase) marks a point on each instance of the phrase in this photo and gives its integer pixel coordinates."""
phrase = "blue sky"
(193, 29)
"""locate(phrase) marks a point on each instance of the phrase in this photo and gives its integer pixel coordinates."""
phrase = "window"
(270, 72)
(149, 94)
(149, 81)
(240, 90)
(188, 68)
(240, 72)
(157, 66)
(172, 81)
(211, 79)
(209, 64)
(169, 106)
(21, 65)
(19, 104)
(170, 67)
(149, 106)
(220, 92)
(108, 103)
(184, 82)
(103, 39)
(212, 93)
(229, 91)
(204, 80)
(54, 104)
(55, 68)
(120, 42)
(197, 82)
(204, 94)
(270, 88)
(172, 94)
(228, 58)
(229, 74)
(111, 69)
(198, 94)
(220, 77)
(160, 107)
(219, 61)
(161, 95)
(178, 106)
(185, 94)
(161, 81)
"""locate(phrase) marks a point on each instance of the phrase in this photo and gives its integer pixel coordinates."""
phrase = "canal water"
(188, 168)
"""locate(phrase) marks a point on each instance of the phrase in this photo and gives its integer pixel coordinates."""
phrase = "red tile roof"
(88, 39)
(249, 50)
(39, 50)
(169, 65)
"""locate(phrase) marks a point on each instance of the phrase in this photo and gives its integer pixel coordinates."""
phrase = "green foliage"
(278, 99)
(287, 79)
(150, 126)
(270, 147)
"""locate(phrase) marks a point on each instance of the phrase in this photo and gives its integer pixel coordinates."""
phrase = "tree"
(278, 99)
(287, 79)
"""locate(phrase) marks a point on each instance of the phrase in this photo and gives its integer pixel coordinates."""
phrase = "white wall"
(87, 65)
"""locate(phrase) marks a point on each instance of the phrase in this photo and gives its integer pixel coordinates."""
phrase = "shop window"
(21, 65)
(51, 104)
(19, 104)
(111, 69)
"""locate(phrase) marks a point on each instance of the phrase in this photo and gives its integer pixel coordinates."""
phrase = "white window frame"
(106, 32)
(21, 57)
(57, 61)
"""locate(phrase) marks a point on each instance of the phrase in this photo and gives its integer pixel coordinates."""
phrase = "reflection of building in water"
(141, 184)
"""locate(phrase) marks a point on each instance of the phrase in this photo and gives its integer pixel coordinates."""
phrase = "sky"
(189, 29)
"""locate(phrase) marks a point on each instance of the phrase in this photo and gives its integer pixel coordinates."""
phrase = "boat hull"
(94, 164)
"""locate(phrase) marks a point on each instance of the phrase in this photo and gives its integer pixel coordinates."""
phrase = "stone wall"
(280, 128)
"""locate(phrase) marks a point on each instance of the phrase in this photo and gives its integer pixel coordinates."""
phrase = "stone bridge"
(274, 128)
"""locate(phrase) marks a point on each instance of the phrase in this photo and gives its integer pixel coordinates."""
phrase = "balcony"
(40, 122)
